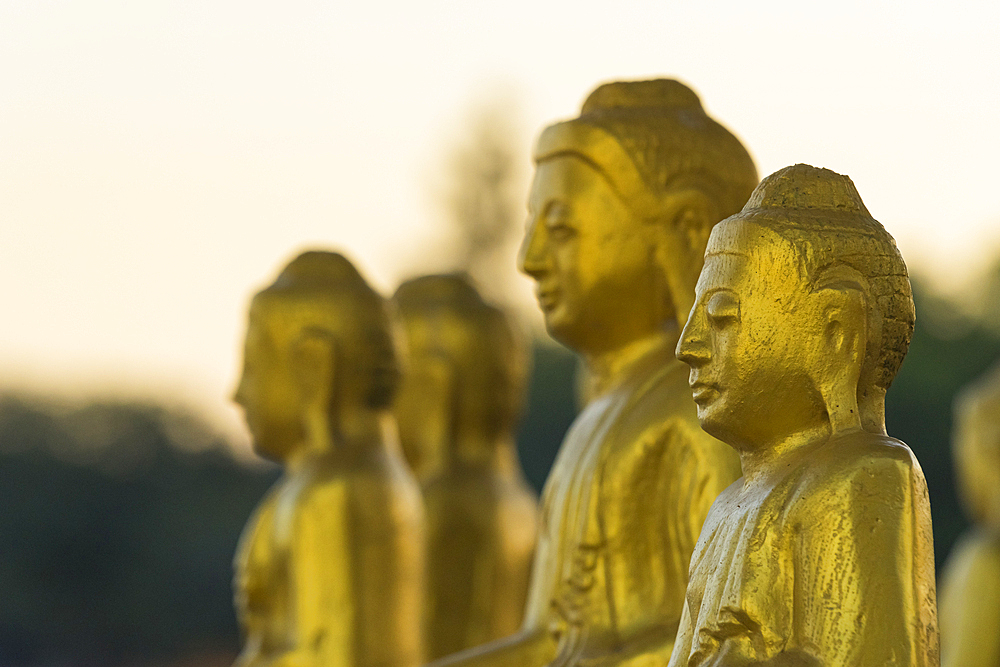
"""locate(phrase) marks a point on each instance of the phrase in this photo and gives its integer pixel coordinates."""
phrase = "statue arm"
(251, 585)
(387, 571)
(676, 491)
(863, 567)
(322, 619)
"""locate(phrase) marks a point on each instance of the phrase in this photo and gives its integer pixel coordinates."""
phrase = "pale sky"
(161, 160)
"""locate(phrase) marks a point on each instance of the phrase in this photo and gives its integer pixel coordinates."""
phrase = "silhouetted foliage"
(551, 408)
(118, 540)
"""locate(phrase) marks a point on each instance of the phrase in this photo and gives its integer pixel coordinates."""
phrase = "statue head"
(319, 345)
(621, 206)
(466, 371)
(976, 448)
(803, 313)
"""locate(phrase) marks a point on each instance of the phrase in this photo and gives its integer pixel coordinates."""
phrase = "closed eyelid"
(556, 209)
(722, 303)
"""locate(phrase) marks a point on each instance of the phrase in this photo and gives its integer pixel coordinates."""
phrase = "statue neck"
(478, 449)
(350, 430)
(761, 459)
(608, 369)
(871, 405)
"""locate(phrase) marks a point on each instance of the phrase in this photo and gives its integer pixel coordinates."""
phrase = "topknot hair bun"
(802, 186)
(653, 94)
(320, 269)
(452, 289)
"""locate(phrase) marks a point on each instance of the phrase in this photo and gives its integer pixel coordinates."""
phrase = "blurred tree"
(482, 197)
(988, 297)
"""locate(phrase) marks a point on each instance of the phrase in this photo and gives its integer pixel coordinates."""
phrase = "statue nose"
(532, 257)
(692, 348)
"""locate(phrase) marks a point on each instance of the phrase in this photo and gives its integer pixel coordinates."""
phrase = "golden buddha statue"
(329, 568)
(822, 553)
(621, 206)
(970, 586)
(457, 409)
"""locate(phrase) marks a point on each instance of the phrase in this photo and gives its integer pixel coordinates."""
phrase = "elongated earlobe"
(681, 248)
(844, 342)
(314, 361)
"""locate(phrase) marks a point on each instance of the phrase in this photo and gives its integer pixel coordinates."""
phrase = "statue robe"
(329, 568)
(970, 602)
(481, 531)
(826, 559)
(621, 512)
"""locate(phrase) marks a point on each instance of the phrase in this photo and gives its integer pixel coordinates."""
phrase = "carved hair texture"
(821, 213)
(669, 139)
(322, 293)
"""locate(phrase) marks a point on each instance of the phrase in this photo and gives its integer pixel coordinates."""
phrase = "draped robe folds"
(621, 512)
(825, 559)
(329, 568)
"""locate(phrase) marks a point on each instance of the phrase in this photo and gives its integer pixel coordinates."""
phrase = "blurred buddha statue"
(620, 210)
(458, 406)
(970, 588)
(329, 568)
(822, 553)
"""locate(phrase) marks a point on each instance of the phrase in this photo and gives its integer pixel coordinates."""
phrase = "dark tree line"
(118, 533)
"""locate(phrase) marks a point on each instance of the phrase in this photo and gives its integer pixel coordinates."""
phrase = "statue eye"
(723, 309)
(558, 222)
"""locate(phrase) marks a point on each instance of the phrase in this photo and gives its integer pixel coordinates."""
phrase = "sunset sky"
(160, 160)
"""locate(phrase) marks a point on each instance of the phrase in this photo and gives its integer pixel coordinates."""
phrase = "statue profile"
(970, 584)
(457, 410)
(622, 202)
(329, 568)
(822, 554)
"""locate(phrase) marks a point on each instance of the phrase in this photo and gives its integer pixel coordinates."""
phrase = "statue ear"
(314, 359)
(681, 251)
(844, 341)
(441, 378)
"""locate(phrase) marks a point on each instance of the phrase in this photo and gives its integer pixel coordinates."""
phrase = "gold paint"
(458, 406)
(621, 206)
(822, 553)
(329, 568)
(970, 585)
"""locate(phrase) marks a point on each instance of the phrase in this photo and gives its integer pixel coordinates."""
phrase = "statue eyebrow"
(715, 290)
(732, 253)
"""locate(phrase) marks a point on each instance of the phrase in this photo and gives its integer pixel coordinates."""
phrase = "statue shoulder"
(855, 468)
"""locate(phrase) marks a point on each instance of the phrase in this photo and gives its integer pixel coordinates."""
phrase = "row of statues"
(358, 556)
(728, 494)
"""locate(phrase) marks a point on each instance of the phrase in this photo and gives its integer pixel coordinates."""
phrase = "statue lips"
(547, 298)
(704, 392)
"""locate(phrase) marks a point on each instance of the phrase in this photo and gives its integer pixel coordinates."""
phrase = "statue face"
(591, 257)
(753, 340)
(424, 403)
(269, 396)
